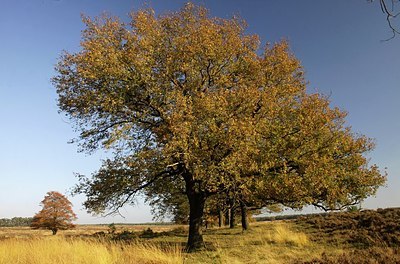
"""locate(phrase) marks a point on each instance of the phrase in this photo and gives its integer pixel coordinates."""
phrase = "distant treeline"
(16, 221)
(283, 217)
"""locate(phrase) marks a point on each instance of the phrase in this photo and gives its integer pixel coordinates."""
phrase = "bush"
(148, 233)
(125, 236)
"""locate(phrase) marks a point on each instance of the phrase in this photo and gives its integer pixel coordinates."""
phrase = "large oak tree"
(187, 100)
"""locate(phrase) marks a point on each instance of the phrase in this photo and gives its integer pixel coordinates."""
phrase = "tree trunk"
(54, 231)
(245, 221)
(220, 217)
(232, 208)
(232, 220)
(227, 216)
(196, 202)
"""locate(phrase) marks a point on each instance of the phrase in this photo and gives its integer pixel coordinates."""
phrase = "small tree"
(56, 213)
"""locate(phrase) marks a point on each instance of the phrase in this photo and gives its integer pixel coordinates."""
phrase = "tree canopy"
(56, 213)
(187, 100)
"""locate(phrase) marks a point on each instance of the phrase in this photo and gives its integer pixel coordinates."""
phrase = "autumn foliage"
(190, 105)
(56, 213)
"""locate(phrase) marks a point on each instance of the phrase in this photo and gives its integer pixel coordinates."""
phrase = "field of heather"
(356, 237)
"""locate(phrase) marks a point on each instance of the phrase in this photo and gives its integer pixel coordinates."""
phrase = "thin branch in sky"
(391, 14)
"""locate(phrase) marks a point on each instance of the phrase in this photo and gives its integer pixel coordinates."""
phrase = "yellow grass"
(272, 242)
(60, 250)
(281, 233)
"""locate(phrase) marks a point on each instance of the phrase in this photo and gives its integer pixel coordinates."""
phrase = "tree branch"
(390, 14)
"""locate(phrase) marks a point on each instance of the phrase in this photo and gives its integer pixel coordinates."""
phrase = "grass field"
(368, 237)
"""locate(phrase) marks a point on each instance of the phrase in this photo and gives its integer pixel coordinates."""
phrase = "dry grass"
(281, 233)
(60, 250)
(271, 242)
(80, 230)
(361, 237)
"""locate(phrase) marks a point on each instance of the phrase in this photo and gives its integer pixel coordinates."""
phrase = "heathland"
(348, 237)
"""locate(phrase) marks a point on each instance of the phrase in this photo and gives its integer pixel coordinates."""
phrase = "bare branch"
(390, 15)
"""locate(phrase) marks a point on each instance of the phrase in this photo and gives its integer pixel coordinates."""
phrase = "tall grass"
(281, 233)
(270, 242)
(59, 250)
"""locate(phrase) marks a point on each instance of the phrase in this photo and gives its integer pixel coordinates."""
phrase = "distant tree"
(16, 221)
(187, 100)
(56, 213)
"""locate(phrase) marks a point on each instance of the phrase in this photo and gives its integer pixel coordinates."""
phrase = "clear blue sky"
(338, 42)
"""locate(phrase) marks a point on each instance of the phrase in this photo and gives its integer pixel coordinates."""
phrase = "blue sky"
(338, 42)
